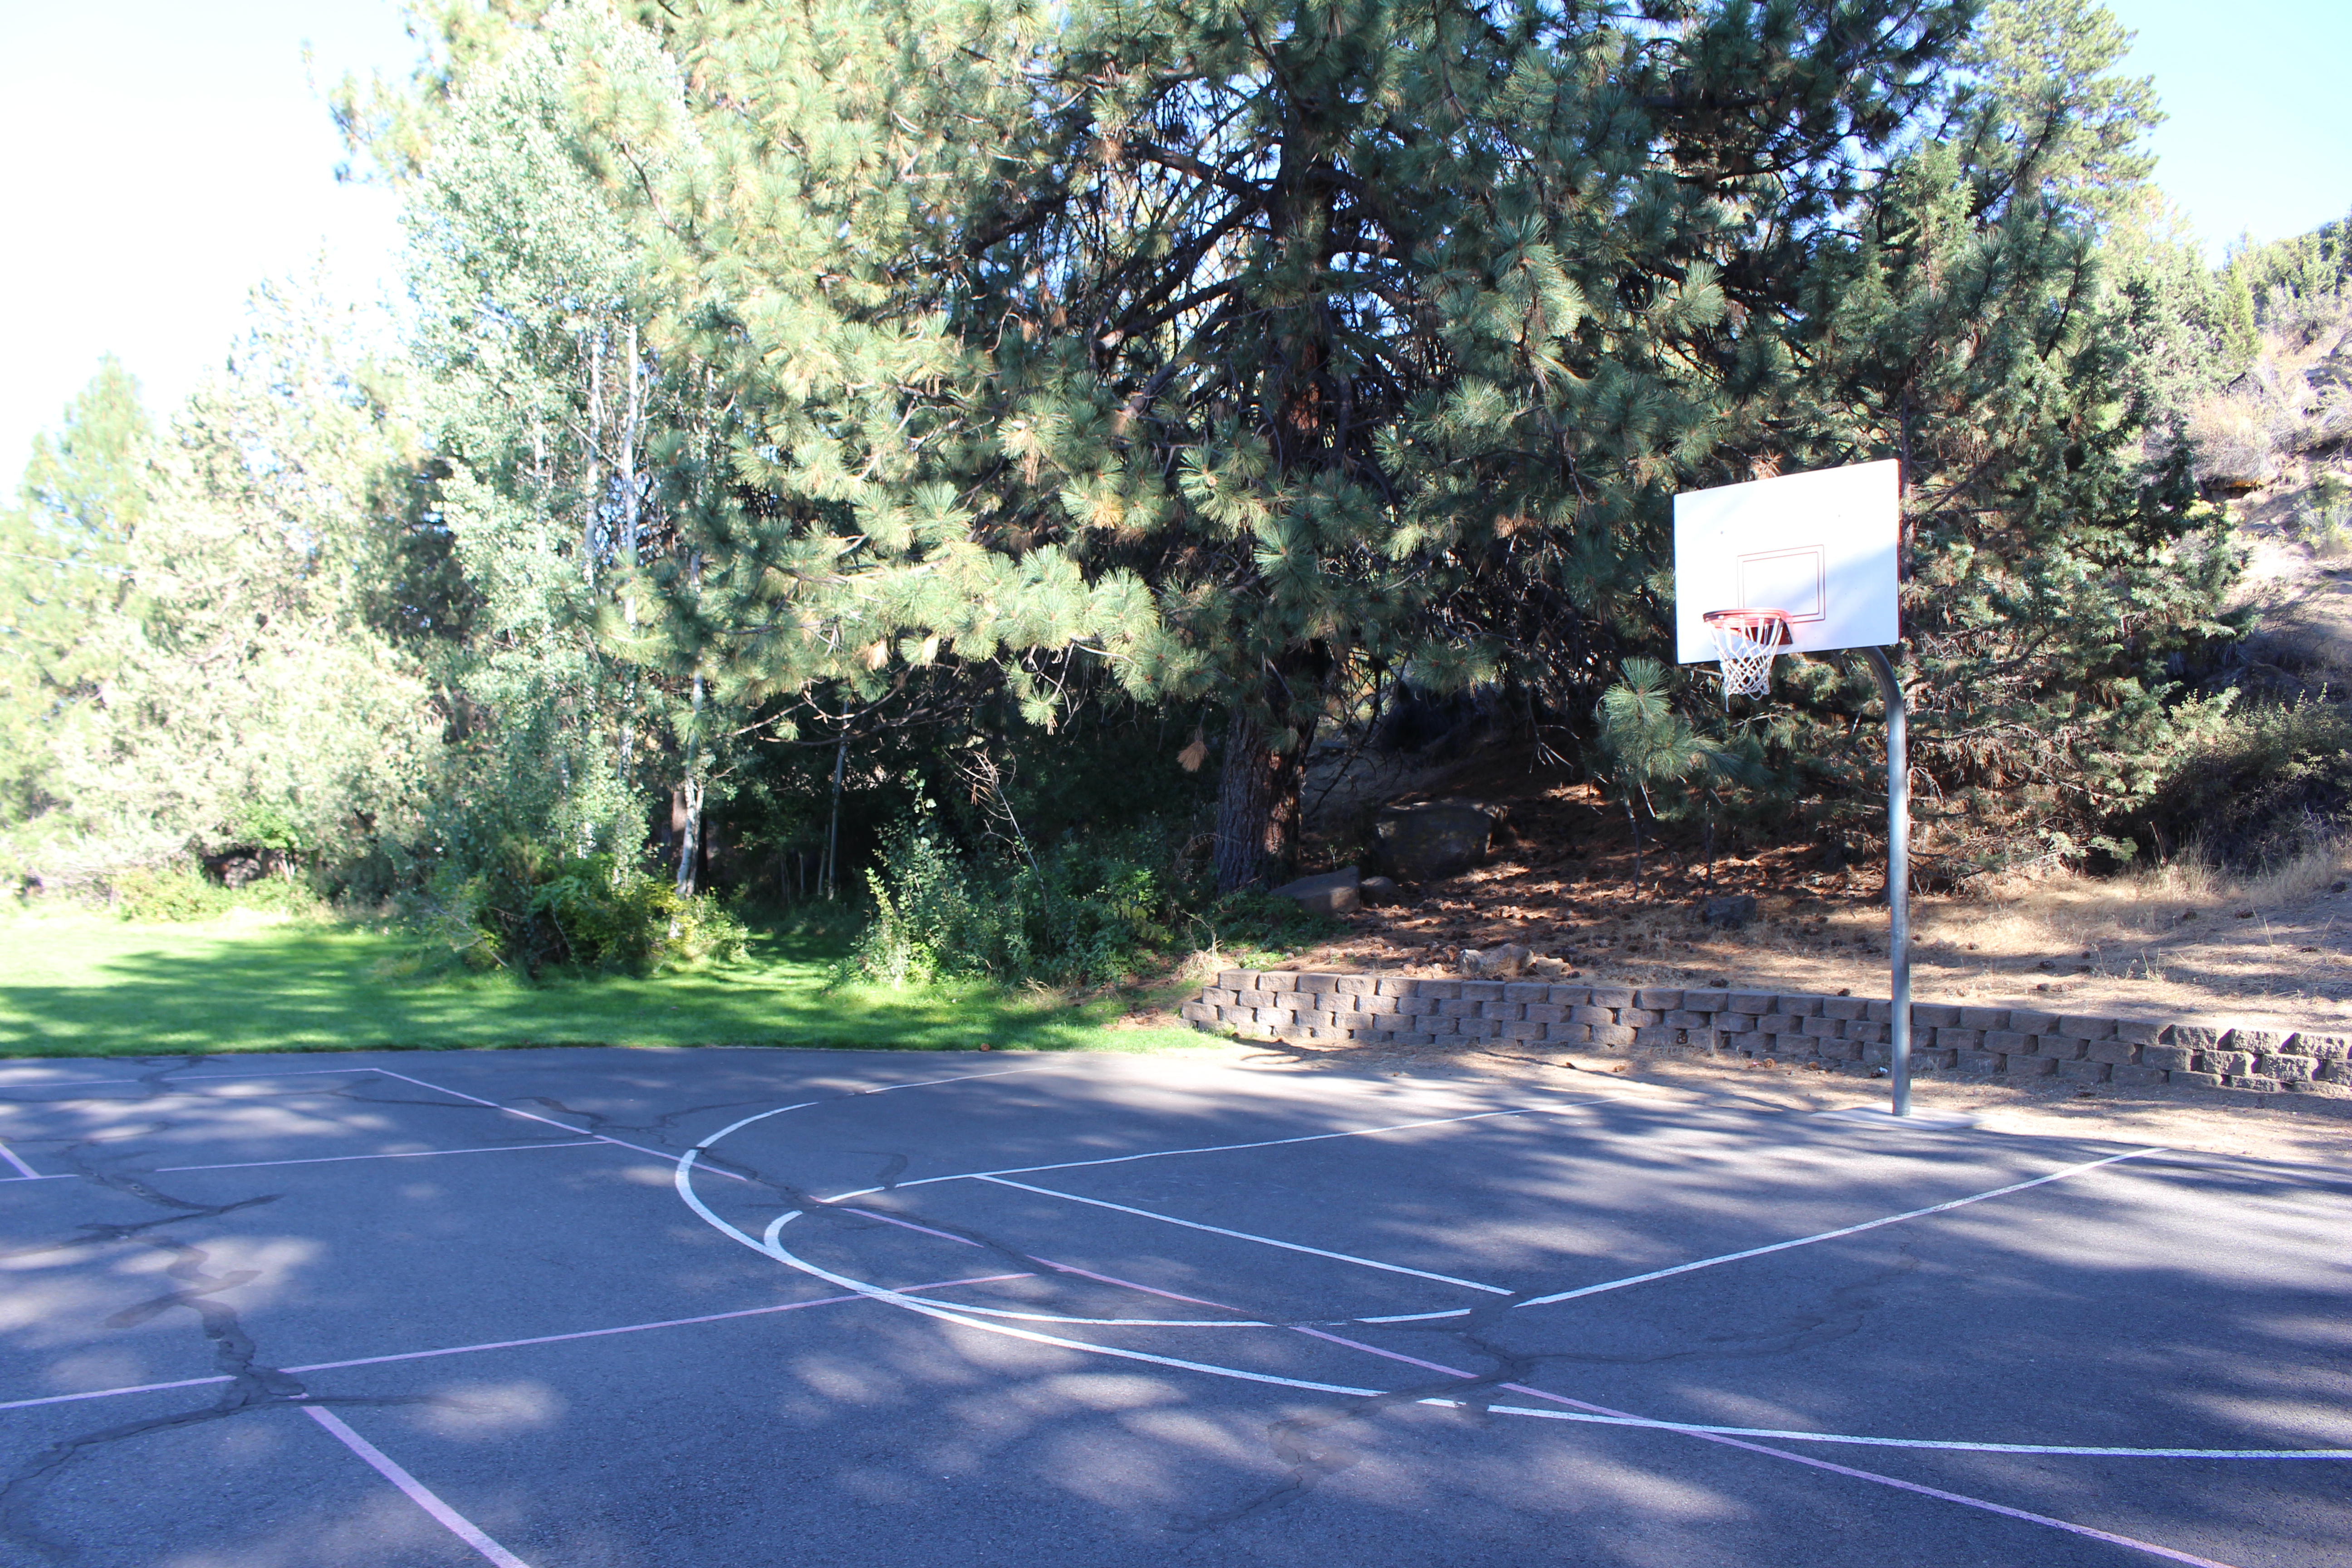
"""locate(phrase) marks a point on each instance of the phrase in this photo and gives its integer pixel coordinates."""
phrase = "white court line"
(1168, 1153)
(1245, 1236)
(1832, 1235)
(448, 1517)
(497, 1344)
(549, 1121)
(405, 1154)
(22, 1170)
(1619, 1417)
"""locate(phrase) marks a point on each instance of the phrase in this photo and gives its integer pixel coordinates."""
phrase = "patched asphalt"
(575, 1307)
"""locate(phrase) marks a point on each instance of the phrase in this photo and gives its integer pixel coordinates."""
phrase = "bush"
(1088, 910)
(529, 908)
(2271, 783)
(179, 894)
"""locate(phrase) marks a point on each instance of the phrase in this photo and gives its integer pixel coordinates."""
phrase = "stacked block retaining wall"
(1842, 1033)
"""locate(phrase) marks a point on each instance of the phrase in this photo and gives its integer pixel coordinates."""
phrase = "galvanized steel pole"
(1898, 875)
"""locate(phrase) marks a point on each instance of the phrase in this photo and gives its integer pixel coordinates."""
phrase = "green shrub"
(182, 893)
(1087, 911)
(530, 907)
(2269, 783)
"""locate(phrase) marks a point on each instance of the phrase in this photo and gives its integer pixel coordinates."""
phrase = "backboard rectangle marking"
(1795, 580)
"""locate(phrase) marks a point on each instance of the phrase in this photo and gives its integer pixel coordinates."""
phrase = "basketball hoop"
(1746, 643)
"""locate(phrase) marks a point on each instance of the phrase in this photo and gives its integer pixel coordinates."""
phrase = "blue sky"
(175, 154)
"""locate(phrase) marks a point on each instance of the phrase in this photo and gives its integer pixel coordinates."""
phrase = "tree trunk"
(689, 791)
(1257, 804)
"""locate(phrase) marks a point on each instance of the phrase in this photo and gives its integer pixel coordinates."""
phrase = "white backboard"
(1820, 546)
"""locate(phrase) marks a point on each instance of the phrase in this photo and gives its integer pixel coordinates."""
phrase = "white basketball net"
(1746, 650)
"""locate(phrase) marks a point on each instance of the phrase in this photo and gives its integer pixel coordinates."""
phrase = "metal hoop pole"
(1898, 875)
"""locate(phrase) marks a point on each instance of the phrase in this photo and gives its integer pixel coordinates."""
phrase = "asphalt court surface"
(732, 1306)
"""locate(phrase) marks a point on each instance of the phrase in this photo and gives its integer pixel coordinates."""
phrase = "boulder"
(1328, 895)
(1731, 912)
(1495, 963)
(1378, 891)
(1434, 840)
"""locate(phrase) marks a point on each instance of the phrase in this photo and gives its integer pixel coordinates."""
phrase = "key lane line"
(1832, 1235)
(1245, 1236)
(548, 1121)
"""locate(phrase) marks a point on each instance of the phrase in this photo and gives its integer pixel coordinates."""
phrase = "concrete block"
(1844, 1007)
(1197, 1013)
(1596, 1017)
(2025, 1021)
(1317, 983)
(1384, 1006)
(2167, 1057)
(1878, 1012)
(1354, 985)
(2138, 1031)
(2087, 1028)
(1568, 1034)
(1934, 1060)
(1734, 1023)
(2028, 1066)
(2282, 1067)
(1526, 990)
(1682, 1019)
(1962, 1039)
(2228, 1064)
(1797, 1006)
(1705, 1001)
(2114, 1052)
(1934, 1015)
(2059, 1048)
(2085, 1071)
(2259, 1085)
(1657, 1000)
(1750, 1002)
(1979, 1061)
(1395, 985)
(1984, 1017)
(2326, 1048)
(2004, 1041)
(1482, 991)
(1863, 1029)
(2138, 1076)
(1571, 995)
(1444, 990)
(1637, 1017)
(2196, 1079)
(2262, 1042)
(2196, 1037)
(1611, 1034)
(1611, 996)
(1545, 1013)
(1825, 1029)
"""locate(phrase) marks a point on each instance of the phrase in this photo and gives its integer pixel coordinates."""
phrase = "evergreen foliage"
(817, 409)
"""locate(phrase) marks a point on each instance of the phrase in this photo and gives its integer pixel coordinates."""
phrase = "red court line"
(2003, 1509)
(498, 1344)
(448, 1517)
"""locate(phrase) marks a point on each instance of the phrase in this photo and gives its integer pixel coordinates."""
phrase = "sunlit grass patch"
(76, 983)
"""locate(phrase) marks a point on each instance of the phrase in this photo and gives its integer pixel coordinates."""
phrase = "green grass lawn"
(86, 984)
